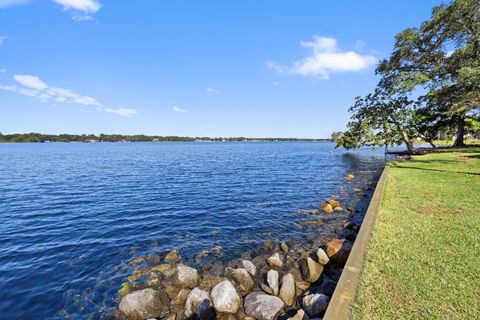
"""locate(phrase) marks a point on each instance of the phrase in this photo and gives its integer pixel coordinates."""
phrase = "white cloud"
(3, 38)
(29, 81)
(122, 111)
(87, 6)
(326, 58)
(33, 86)
(213, 90)
(178, 109)
(10, 3)
(81, 17)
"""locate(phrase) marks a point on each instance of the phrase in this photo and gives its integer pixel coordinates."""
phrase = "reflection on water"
(74, 215)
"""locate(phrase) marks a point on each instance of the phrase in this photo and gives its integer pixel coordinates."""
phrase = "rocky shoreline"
(287, 280)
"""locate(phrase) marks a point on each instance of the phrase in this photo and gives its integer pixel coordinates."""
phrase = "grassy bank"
(424, 259)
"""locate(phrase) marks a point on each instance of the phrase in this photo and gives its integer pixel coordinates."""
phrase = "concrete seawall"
(342, 299)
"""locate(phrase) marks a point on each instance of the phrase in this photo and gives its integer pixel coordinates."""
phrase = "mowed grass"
(424, 258)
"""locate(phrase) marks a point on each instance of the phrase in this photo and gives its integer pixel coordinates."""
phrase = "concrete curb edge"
(342, 299)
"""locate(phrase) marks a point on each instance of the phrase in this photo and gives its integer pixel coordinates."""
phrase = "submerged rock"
(269, 282)
(142, 304)
(172, 256)
(186, 277)
(333, 203)
(287, 290)
(225, 298)
(315, 304)
(262, 306)
(275, 261)
(250, 267)
(327, 207)
(338, 250)
(310, 270)
(199, 305)
(322, 256)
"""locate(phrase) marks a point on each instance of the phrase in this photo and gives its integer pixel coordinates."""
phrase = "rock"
(269, 282)
(333, 203)
(270, 245)
(287, 291)
(171, 316)
(322, 257)
(350, 176)
(210, 281)
(172, 256)
(338, 209)
(315, 304)
(181, 297)
(275, 261)
(225, 298)
(143, 304)
(199, 305)
(284, 246)
(311, 270)
(327, 207)
(186, 277)
(300, 315)
(262, 306)
(243, 280)
(250, 267)
(338, 250)
(227, 316)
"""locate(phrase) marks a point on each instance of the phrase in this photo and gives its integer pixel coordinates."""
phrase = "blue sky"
(192, 68)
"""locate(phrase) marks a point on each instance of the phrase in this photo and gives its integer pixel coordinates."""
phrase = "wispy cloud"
(33, 86)
(3, 70)
(325, 59)
(81, 17)
(3, 38)
(122, 111)
(212, 90)
(11, 3)
(178, 109)
(86, 6)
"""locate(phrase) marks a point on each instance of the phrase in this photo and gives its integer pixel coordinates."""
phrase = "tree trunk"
(408, 143)
(431, 143)
(460, 132)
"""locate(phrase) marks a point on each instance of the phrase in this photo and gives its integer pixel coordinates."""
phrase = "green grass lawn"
(424, 259)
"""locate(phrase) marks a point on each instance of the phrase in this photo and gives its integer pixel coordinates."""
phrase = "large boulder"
(310, 270)
(186, 277)
(262, 306)
(143, 304)
(275, 261)
(199, 305)
(287, 291)
(315, 304)
(250, 267)
(225, 298)
(338, 250)
(243, 280)
(269, 282)
(323, 258)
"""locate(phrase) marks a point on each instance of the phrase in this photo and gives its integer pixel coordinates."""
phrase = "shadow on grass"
(395, 165)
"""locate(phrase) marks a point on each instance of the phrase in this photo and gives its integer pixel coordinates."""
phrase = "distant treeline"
(38, 137)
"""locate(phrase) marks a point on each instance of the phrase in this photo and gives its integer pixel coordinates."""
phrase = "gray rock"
(225, 298)
(143, 304)
(250, 267)
(186, 277)
(315, 304)
(269, 282)
(311, 270)
(322, 256)
(243, 280)
(275, 261)
(300, 315)
(198, 305)
(287, 291)
(262, 306)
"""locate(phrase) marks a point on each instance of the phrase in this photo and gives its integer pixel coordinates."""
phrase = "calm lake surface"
(74, 214)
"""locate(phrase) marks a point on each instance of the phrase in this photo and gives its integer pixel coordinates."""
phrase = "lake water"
(74, 214)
